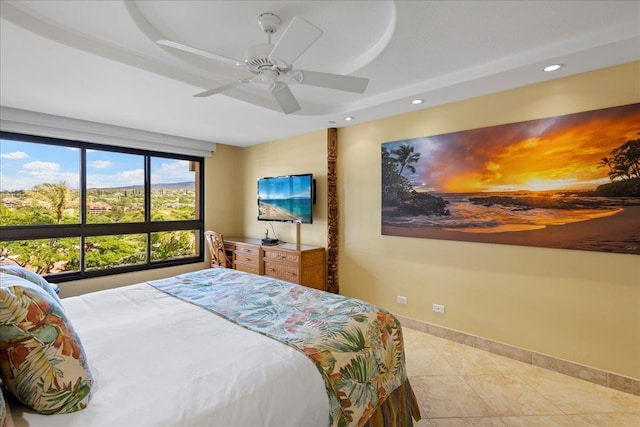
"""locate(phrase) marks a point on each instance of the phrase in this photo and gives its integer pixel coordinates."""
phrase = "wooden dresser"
(301, 264)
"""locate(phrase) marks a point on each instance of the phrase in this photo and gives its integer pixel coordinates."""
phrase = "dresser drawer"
(276, 255)
(247, 258)
(248, 250)
(282, 271)
(247, 268)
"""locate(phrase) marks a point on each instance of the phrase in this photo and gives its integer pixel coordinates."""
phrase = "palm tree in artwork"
(627, 157)
(405, 156)
(605, 161)
(625, 163)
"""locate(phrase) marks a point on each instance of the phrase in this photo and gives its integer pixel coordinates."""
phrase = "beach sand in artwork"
(618, 233)
(273, 212)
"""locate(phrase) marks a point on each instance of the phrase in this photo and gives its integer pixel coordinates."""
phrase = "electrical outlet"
(401, 299)
(438, 308)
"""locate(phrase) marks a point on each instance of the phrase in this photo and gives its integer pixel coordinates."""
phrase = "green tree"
(114, 251)
(42, 255)
(172, 244)
(55, 195)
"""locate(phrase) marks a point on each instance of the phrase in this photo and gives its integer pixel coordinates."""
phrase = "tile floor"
(457, 385)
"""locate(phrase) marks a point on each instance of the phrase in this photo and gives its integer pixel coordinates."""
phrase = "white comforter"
(158, 361)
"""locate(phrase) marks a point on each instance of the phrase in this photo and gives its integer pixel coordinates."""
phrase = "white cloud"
(174, 171)
(15, 155)
(39, 167)
(136, 176)
(180, 165)
(28, 180)
(100, 164)
(35, 173)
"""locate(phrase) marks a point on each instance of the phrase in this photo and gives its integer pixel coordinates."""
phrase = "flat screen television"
(286, 198)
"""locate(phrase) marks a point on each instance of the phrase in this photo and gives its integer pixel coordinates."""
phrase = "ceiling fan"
(273, 64)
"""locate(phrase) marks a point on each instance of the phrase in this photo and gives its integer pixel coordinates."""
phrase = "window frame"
(83, 229)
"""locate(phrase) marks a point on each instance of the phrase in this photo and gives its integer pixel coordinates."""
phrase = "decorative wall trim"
(332, 211)
(48, 125)
(587, 373)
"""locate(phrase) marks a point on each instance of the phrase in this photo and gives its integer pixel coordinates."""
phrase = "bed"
(219, 347)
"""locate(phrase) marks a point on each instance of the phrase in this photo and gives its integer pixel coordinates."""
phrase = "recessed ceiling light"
(349, 118)
(417, 101)
(553, 67)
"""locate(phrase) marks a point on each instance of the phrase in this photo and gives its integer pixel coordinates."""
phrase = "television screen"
(286, 198)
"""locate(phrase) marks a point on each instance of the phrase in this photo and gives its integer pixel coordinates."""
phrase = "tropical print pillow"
(42, 361)
(16, 270)
(3, 410)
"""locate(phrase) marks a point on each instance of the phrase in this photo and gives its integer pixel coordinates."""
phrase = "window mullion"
(147, 202)
(83, 204)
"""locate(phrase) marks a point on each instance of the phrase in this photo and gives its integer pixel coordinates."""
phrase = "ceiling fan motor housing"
(257, 59)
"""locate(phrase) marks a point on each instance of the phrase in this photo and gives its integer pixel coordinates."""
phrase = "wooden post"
(298, 234)
(332, 211)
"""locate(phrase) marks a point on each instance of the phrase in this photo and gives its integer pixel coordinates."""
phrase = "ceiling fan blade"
(285, 98)
(331, 81)
(221, 88)
(297, 38)
(195, 51)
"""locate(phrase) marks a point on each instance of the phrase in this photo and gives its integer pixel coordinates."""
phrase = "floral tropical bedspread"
(357, 347)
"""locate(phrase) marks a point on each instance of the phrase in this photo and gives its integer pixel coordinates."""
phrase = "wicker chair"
(215, 243)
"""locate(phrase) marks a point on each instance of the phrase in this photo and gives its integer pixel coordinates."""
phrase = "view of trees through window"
(77, 209)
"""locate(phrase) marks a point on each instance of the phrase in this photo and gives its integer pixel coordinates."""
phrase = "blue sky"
(24, 165)
(284, 188)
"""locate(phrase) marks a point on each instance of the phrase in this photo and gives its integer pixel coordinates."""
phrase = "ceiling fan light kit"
(273, 64)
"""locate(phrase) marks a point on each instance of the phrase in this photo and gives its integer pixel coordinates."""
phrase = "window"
(71, 210)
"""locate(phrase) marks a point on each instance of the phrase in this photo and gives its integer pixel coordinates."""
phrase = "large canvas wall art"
(570, 182)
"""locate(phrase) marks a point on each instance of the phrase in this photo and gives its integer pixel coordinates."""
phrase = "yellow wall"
(575, 305)
(224, 178)
(301, 154)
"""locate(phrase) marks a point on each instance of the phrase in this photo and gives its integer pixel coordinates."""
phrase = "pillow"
(16, 270)
(3, 410)
(42, 361)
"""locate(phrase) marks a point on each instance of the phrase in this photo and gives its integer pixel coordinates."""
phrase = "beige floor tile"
(415, 340)
(510, 395)
(448, 396)
(471, 361)
(468, 422)
(543, 421)
(424, 422)
(619, 419)
(510, 366)
(431, 339)
(427, 362)
(575, 396)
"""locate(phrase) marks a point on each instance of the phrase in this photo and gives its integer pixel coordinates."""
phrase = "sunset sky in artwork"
(557, 153)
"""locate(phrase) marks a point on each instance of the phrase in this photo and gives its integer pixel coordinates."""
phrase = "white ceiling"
(97, 60)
